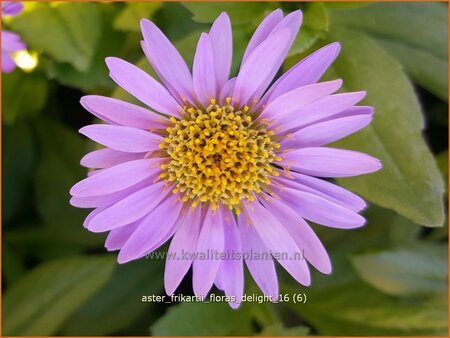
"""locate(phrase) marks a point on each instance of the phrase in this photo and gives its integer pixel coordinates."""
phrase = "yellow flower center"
(218, 155)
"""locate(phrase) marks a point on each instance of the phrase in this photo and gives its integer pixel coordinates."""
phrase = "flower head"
(228, 166)
(11, 42)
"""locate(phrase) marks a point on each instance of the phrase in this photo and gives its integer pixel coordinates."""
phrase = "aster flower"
(224, 165)
(11, 42)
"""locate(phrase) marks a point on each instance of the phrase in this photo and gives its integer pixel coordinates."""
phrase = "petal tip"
(145, 23)
(111, 61)
(84, 130)
(123, 257)
(169, 288)
(335, 47)
(234, 305)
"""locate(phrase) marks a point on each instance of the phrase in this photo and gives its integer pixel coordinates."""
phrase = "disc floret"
(218, 154)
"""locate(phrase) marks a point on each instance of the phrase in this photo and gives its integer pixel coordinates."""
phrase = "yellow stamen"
(218, 155)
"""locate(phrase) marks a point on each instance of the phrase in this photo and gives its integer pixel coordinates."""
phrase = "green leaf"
(118, 303)
(354, 308)
(75, 31)
(203, 319)
(110, 44)
(314, 26)
(240, 13)
(175, 20)
(442, 161)
(19, 159)
(129, 18)
(43, 241)
(305, 40)
(415, 271)
(414, 33)
(57, 172)
(278, 330)
(40, 302)
(13, 265)
(23, 95)
(409, 182)
(343, 305)
(316, 16)
(345, 5)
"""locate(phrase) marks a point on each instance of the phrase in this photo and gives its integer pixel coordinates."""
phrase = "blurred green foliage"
(390, 277)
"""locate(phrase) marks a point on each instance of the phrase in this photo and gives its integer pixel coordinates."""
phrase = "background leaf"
(129, 18)
(394, 136)
(56, 173)
(111, 42)
(18, 161)
(279, 330)
(24, 96)
(314, 26)
(118, 303)
(415, 271)
(200, 319)
(370, 312)
(40, 302)
(414, 33)
(75, 31)
(240, 13)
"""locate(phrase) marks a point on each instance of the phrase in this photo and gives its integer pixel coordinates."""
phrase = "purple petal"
(166, 61)
(260, 68)
(262, 268)
(151, 230)
(182, 250)
(167, 233)
(11, 42)
(91, 215)
(325, 132)
(94, 172)
(116, 178)
(262, 32)
(231, 270)
(107, 200)
(172, 229)
(227, 90)
(324, 109)
(306, 72)
(8, 64)
(11, 7)
(142, 86)
(351, 111)
(326, 190)
(279, 241)
(287, 106)
(218, 282)
(105, 158)
(118, 237)
(122, 138)
(330, 162)
(222, 45)
(320, 210)
(301, 232)
(123, 113)
(210, 242)
(130, 209)
(203, 71)
(292, 22)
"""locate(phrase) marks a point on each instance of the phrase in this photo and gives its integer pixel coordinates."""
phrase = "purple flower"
(11, 42)
(228, 166)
